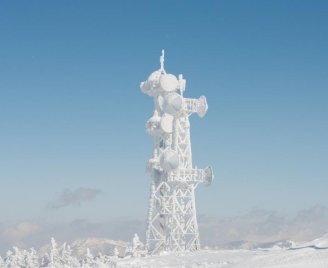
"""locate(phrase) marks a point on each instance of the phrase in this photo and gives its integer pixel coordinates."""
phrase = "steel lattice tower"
(172, 223)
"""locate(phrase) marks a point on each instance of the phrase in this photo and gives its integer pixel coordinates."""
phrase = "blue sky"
(72, 114)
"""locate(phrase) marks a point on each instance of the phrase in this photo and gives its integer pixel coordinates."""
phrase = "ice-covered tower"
(172, 223)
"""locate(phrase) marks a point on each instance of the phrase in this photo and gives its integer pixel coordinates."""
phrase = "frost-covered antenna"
(172, 223)
(161, 59)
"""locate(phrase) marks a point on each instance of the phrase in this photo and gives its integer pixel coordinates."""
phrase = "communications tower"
(172, 223)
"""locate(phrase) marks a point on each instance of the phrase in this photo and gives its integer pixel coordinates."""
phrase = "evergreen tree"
(136, 246)
(67, 259)
(8, 258)
(116, 252)
(2, 262)
(104, 261)
(54, 260)
(17, 258)
(24, 255)
(32, 259)
(45, 260)
(89, 260)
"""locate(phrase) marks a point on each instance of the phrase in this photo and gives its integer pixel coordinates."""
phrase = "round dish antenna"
(173, 104)
(202, 106)
(168, 82)
(169, 160)
(167, 123)
(209, 176)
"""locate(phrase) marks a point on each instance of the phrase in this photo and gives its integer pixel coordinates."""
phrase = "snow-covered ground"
(319, 243)
(313, 254)
(282, 258)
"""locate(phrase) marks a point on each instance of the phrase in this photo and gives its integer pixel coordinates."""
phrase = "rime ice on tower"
(172, 223)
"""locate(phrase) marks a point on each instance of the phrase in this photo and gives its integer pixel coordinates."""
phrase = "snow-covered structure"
(172, 223)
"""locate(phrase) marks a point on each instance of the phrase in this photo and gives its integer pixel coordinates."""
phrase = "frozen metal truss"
(172, 223)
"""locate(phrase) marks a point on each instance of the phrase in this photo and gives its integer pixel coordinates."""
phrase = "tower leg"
(172, 222)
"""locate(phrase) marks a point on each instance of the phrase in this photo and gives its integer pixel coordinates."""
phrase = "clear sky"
(72, 114)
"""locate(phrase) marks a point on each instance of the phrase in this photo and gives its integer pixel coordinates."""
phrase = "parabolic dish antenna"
(173, 104)
(209, 176)
(202, 106)
(169, 160)
(168, 82)
(167, 123)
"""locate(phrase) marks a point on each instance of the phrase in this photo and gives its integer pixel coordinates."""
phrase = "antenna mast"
(172, 222)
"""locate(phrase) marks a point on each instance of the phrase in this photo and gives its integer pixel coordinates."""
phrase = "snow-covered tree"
(16, 258)
(54, 257)
(57, 257)
(89, 260)
(67, 259)
(23, 258)
(8, 258)
(137, 246)
(32, 259)
(105, 261)
(116, 252)
(2, 262)
(101, 259)
(45, 260)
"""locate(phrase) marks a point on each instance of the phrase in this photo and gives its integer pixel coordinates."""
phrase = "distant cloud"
(76, 197)
(19, 232)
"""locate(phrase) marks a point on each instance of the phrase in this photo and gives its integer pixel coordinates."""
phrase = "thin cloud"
(21, 230)
(76, 197)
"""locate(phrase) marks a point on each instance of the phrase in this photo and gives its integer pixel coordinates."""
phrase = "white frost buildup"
(172, 223)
